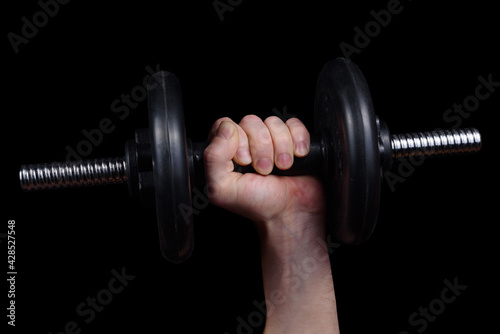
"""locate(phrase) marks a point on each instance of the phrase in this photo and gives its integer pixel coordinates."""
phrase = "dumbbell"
(350, 149)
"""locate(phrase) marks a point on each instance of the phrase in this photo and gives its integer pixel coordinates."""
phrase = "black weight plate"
(170, 166)
(345, 120)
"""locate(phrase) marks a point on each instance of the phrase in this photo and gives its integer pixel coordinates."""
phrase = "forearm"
(298, 282)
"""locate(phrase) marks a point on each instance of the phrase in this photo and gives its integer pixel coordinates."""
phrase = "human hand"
(261, 197)
(289, 213)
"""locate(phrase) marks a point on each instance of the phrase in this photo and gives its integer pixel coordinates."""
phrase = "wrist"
(298, 282)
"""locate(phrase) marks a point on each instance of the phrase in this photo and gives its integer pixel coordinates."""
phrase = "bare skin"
(288, 212)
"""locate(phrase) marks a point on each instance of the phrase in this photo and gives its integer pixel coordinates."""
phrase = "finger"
(242, 156)
(300, 136)
(282, 142)
(260, 144)
(218, 162)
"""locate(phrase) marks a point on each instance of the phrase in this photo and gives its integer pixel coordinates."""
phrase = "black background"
(439, 224)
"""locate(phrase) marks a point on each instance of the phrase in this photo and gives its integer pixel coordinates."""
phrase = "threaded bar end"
(435, 143)
(73, 174)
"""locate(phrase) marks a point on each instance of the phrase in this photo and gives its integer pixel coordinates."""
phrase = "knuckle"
(264, 136)
(217, 123)
(301, 138)
(222, 119)
(250, 119)
(273, 121)
(294, 123)
(298, 129)
(211, 154)
(279, 131)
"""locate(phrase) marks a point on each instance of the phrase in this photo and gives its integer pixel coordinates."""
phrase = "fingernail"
(284, 160)
(301, 149)
(265, 164)
(243, 156)
(226, 130)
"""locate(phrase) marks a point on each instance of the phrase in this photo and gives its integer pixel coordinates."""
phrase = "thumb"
(218, 159)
